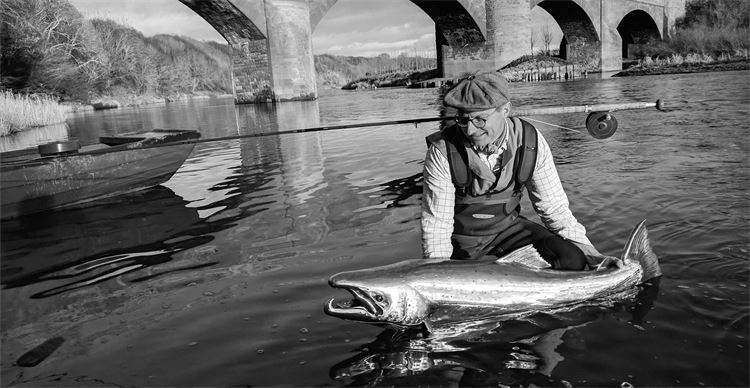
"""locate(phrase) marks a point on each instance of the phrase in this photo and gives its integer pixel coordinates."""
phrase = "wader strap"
(457, 157)
(526, 154)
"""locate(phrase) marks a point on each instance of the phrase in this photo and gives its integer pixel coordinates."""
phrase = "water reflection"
(273, 192)
(213, 117)
(490, 353)
(32, 137)
(90, 244)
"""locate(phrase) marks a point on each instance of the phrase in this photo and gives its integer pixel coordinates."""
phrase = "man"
(475, 172)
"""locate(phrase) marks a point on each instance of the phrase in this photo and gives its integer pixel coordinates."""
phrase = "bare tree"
(532, 41)
(47, 46)
(128, 60)
(546, 38)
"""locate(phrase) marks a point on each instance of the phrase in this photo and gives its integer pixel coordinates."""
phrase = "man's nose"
(471, 129)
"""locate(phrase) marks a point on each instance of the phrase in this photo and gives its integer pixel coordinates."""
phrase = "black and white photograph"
(375, 193)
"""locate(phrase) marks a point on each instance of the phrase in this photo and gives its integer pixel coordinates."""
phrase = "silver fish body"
(416, 292)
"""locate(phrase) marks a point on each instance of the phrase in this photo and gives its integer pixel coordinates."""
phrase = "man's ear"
(505, 109)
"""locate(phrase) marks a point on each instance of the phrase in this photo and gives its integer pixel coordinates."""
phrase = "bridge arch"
(460, 26)
(641, 11)
(637, 27)
(234, 23)
(581, 37)
(469, 14)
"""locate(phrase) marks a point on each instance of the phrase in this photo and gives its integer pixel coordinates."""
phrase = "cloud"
(151, 17)
(370, 28)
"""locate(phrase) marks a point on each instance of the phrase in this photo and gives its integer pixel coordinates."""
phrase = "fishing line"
(601, 128)
(552, 125)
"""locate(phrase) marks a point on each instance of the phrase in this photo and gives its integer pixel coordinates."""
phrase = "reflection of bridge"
(272, 39)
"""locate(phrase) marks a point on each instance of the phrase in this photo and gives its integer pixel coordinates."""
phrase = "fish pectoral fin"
(426, 328)
(526, 255)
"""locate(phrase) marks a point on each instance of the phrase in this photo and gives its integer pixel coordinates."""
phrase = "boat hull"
(37, 185)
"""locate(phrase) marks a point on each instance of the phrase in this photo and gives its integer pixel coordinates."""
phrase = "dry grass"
(18, 112)
(712, 40)
(720, 43)
(691, 59)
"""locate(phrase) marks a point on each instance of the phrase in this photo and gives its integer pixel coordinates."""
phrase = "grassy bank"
(690, 63)
(18, 112)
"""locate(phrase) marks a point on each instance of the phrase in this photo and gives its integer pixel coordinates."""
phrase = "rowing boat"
(62, 174)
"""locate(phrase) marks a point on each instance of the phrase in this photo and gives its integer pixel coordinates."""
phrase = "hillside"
(339, 71)
(48, 47)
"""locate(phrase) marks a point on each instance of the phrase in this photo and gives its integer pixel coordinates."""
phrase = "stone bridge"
(271, 40)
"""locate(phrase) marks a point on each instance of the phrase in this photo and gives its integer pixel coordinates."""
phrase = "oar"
(600, 123)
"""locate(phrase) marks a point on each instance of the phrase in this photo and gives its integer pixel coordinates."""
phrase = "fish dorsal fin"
(638, 249)
(526, 255)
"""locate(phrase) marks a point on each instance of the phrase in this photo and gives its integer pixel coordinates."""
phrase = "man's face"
(483, 127)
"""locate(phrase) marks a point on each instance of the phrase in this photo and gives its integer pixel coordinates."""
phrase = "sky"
(351, 27)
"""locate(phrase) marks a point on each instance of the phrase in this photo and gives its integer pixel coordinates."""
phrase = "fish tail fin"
(638, 248)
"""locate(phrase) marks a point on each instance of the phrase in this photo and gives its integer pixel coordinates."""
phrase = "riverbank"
(392, 79)
(682, 68)
(24, 112)
(131, 100)
(516, 71)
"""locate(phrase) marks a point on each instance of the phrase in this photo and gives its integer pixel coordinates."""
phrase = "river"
(219, 276)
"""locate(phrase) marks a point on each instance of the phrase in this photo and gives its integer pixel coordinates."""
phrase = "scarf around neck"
(484, 177)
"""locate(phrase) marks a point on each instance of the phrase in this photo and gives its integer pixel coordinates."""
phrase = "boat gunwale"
(13, 160)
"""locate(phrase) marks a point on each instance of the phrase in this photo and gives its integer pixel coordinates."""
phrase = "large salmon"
(414, 293)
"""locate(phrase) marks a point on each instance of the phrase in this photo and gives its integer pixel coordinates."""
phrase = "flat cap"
(478, 92)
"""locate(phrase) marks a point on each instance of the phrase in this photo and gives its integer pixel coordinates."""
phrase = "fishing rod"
(600, 123)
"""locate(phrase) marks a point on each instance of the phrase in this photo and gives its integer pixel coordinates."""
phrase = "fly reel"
(601, 125)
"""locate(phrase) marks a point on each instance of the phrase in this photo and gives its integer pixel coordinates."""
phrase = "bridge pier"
(508, 27)
(290, 50)
(269, 64)
(278, 67)
(611, 42)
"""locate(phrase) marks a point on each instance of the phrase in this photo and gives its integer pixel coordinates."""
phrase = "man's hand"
(606, 262)
(596, 260)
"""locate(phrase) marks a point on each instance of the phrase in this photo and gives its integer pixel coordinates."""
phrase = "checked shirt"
(544, 188)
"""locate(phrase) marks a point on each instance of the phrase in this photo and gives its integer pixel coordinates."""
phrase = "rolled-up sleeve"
(549, 199)
(438, 199)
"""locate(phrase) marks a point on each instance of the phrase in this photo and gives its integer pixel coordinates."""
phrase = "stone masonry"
(272, 39)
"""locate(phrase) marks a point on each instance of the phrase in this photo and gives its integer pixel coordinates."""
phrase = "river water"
(219, 276)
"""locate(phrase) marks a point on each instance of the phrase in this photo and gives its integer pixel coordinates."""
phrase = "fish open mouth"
(359, 308)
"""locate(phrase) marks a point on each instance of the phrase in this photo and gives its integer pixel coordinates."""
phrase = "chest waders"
(480, 222)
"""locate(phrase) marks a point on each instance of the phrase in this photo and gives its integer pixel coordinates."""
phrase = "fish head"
(380, 297)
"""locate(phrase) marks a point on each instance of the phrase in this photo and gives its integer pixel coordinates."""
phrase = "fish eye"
(379, 298)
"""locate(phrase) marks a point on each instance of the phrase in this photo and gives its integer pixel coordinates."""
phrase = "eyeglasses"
(478, 121)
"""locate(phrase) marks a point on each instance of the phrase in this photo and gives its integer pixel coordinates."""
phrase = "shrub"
(18, 112)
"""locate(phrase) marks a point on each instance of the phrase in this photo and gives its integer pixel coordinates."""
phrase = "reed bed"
(19, 112)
